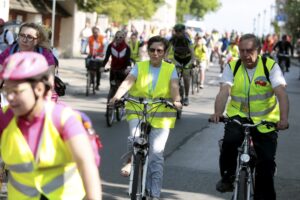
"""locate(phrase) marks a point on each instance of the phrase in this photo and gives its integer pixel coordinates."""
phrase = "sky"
(240, 14)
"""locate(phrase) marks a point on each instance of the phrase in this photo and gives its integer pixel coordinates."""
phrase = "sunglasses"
(159, 51)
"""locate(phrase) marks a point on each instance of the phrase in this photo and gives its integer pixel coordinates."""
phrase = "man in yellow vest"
(258, 91)
(152, 80)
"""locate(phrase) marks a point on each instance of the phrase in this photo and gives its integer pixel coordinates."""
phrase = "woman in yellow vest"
(200, 52)
(255, 96)
(40, 139)
(151, 80)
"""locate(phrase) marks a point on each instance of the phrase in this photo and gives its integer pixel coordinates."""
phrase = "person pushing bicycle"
(152, 80)
(258, 92)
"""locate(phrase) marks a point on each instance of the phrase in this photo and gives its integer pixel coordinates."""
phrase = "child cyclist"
(44, 145)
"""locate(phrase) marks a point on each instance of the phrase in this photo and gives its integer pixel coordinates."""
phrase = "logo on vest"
(261, 81)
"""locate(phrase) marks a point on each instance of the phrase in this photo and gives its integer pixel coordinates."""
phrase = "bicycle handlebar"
(247, 125)
(146, 102)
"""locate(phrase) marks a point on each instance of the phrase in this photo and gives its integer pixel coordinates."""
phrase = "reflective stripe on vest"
(157, 114)
(21, 168)
(49, 187)
(253, 97)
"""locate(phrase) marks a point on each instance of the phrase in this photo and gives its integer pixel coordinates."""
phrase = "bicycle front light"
(245, 158)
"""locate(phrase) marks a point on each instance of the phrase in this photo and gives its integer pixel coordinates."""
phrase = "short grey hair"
(252, 37)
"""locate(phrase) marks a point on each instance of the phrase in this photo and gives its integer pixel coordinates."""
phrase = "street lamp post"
(264, 20)
(254, 25)
(258, 24)
(53, 21)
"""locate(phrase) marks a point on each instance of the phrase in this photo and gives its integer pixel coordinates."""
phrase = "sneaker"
(201, 86)
(186, 101)
(97, 87)
(224, 186)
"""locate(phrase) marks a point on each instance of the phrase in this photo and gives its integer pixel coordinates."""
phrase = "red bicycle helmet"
(23, 65)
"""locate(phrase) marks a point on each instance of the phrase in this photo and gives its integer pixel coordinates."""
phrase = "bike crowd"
(40, 136)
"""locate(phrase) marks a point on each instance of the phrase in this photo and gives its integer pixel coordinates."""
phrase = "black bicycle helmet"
(179, 27)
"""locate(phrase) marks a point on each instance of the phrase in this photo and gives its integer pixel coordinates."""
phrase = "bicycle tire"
(193, 81)
(120, 113)
(88, 82)
(137, 177)
(110, 111)
(242, 186)
(93, 75)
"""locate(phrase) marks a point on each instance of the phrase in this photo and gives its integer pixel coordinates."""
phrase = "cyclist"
(200, 51)
(6, 36)
(152, 79)
(181, 50)
(40, 139)
(135, 46)
(120, 53)
(267, 47)
(96, 47)
(253, 98)
(284, 49)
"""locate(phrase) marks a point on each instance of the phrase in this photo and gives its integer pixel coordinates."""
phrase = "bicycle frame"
(141, 149)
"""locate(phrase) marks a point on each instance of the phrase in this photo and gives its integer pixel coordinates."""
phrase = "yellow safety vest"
(255, 99)
(200, 52)
(161, 116)
(52, 172)
(234, 51)
(134, 51)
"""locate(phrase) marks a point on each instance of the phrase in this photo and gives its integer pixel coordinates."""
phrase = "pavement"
(287, 179)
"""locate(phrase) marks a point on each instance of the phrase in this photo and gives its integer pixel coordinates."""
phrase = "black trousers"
(287, 62)
(265, 145)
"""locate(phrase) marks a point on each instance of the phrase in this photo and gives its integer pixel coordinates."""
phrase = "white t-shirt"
(276, 77)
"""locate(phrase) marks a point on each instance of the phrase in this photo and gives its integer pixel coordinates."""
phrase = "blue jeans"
(84, 43)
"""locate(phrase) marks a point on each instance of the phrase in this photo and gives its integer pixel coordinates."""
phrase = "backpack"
(4, 37)
(264, 61)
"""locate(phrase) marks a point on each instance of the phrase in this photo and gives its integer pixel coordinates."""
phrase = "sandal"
(126, 169)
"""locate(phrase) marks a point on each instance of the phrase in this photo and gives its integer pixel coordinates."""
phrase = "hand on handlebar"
(177, 105)
(215, 118)
(282, 125)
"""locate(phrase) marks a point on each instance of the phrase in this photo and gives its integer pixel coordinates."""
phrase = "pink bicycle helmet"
(23, 65)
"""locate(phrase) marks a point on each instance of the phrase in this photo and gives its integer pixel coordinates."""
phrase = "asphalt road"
(191, 164)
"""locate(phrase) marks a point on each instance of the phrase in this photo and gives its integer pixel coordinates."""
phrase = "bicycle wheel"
(88, 82)
(193, 80)
(242, 186)
(120, 111)
(93, 77)
(136, 190)
(110, 112)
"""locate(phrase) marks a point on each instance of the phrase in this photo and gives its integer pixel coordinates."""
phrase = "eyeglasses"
(15, 91)
(29, 38)
(159, 51)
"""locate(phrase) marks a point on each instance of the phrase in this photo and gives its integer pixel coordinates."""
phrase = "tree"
(121, 10)
(197, 8)
(292, 10)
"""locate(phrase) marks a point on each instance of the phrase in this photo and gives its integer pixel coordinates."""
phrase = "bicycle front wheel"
(110, 115)
(242, 186)
(88, 82)
(136, 190)
(120, 112)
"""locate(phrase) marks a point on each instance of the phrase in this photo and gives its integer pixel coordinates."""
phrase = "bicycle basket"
(92, 64)
(59, 86)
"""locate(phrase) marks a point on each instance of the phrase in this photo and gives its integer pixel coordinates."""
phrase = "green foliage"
(197, 8)
(292, 9)
(121, 10)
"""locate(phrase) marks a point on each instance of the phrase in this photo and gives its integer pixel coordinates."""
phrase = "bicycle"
(179, 68)
(244, 183)
(283, 58)
(93, 65)
(195, 83)
(139, 158)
